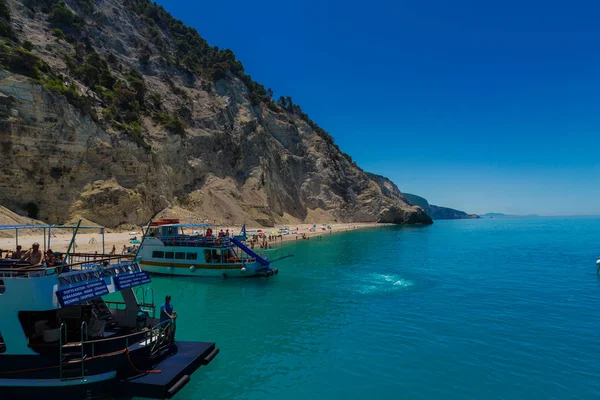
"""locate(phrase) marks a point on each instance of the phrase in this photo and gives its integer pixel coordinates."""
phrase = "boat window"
(158, 254)
(169, 254)
(180, 256)
(192, 256)
(212, 256)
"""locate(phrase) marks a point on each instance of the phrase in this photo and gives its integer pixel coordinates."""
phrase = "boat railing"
(63, 328)
(157, 337)
(92, 260)
(27, 272)
(148, 307)
(195, 241)
(84, 338)
(110, 266)
(162, 335)
(116, 305)
(121, 305)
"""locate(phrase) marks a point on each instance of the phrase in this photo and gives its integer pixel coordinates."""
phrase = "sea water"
(464, 309)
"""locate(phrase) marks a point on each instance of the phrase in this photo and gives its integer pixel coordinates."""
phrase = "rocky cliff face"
(114, 127)
(437, 212)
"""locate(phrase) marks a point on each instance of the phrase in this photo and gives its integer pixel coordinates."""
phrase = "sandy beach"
(90, 241)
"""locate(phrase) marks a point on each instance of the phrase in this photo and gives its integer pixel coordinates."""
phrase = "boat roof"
(46, 226)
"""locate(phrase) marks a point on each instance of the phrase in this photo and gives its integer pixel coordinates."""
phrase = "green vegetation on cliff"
(193, 53)
(5, 27)
(175, 45)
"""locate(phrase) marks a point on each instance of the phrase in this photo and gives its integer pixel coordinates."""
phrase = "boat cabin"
(43, 311)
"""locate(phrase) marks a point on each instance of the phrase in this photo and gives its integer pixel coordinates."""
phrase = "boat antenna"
(143, 238)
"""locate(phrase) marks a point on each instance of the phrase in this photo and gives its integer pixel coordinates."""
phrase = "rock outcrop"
(160, 133)
(437, 212)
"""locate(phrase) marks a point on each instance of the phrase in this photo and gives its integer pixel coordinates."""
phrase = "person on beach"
(114, 250)
(124, 251)
(166, 310)
(35, 256)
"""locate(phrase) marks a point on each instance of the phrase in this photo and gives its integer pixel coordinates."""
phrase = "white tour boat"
(167, 249)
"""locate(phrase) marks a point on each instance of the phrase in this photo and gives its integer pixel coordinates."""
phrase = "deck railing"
(91, 260)
(149, 307)
(156, 338)
(74, 272)
(161, 336)
(195, 241)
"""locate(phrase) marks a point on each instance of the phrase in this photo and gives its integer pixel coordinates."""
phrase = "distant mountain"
(417, 201)
(501, 215)
(437, 212)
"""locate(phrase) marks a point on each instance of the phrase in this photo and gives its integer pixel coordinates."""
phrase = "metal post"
(17, 236)
(83, 324)
(135, 258)
(44, 241)
(102, 232)
(71, 243)
(60, 349)
(49, 235)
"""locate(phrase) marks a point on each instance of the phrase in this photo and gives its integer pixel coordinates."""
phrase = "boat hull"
(167, 372)
(205, 270)
(54, 388)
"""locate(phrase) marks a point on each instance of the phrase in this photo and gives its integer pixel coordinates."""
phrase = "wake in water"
(381, 283)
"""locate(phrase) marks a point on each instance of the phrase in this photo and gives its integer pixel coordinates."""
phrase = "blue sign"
(125, 281)
(78, 294)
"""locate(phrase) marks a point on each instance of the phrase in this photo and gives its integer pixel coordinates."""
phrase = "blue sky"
(476, 105)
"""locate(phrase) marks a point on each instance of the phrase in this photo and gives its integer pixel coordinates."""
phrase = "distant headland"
(501, 215)
(437, 212)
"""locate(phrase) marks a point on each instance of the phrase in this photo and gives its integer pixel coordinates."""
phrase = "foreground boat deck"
(175, 371)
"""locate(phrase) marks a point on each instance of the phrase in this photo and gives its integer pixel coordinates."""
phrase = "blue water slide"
(252, 254)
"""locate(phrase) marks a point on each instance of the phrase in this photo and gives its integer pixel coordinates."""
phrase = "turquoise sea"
(465, 309)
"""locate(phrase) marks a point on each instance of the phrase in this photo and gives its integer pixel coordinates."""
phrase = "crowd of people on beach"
(264, 241)
(126, 250)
